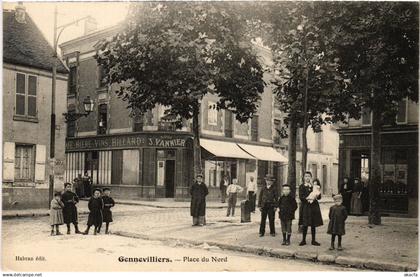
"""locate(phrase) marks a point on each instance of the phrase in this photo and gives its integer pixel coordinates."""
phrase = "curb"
(25, 215)
(344, 261)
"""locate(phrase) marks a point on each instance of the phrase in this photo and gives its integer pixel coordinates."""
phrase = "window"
(366, 116)
(71, 124)
(228, 124)
(318, 142)
(24, 162)
(138, 123)
(26, 91)
(314, 171)
(102, 119)
(402, 111)
(101, 77)
(254, 128)
(212, 113)
(72, 82)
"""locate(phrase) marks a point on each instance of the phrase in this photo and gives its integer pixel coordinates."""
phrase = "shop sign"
(126, 141)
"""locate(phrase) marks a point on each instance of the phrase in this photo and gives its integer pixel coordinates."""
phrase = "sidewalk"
(392, 246)
(166, 204)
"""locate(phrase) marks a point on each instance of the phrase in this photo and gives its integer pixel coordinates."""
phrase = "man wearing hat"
(267, 202)
(198, 193)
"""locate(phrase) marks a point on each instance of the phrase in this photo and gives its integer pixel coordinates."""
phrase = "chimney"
(20, 13)
(90, 25)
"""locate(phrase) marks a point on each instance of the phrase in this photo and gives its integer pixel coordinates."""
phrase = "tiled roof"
(24, 44)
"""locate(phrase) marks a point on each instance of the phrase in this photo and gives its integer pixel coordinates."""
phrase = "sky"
(106, 14)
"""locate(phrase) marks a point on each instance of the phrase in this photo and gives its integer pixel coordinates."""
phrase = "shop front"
(399, 167)
(144, 165)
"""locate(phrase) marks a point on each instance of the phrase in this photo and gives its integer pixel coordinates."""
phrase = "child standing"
(287, 206)
(232, 192)
(338, 216)
(96, 206)
(70, 200)
(108, 204)
(56, 213)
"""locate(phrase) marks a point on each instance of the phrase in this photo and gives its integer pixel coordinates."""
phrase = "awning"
(224, 149)
(264, 153)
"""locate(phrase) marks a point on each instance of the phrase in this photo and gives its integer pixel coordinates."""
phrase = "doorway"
(169, 178)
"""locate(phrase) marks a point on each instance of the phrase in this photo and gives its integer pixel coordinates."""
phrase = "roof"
(24, 44)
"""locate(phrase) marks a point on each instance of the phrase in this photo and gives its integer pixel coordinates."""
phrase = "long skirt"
(356, 206)
(56, 217)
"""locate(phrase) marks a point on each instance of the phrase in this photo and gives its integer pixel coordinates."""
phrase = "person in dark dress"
(287, 208)
(78, 186)
(310, 212)
(70, 200)
(356, 207)
(268, 202)
(365, 196)
(96, 206)
(224, 183)
(198, 192)
(87, 184)
(346, 192)
(108, 204)
(336, 226)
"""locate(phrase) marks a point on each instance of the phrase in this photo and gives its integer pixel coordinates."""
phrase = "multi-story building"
(399, 157)
(146, 157)
(27, 85)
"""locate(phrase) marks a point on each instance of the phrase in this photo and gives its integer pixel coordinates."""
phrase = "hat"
(105, 189)
(97, 190)
(199, 175)
(269, 177)
(338, 197)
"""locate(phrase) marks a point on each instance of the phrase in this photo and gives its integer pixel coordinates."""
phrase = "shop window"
(26, 93)
(116, 166)
(228, 124)
(394, 171)
(402, 112)
(138, 123)
(366, 116)
(212, 113)
(72, 81)
(102, 119)
(24, 162)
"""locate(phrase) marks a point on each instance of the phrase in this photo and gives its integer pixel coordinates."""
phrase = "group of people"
(83, 185)
(63, 210)
(269, 201)
(355, 196)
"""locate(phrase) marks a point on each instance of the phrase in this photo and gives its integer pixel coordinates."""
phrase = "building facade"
(27, 84)
(399, 157)
(145, 157)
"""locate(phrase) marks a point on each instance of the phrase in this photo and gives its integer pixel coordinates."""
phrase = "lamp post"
(58, 29)
(88, 105)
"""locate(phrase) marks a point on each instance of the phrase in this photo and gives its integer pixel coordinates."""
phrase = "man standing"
(224, 183)
(198, 193)
(267, 202)
(232, 192)
(78, 186)
(251, 189)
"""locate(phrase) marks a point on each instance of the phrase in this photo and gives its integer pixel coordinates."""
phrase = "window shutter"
(40, 163)
(20, 94)
(9, 162)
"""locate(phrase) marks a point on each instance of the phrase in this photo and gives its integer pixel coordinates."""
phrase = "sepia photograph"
(210, 136)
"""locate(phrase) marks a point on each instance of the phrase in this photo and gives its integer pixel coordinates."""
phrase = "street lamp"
(88, 105)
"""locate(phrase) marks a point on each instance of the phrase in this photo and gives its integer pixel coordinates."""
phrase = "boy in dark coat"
(96, 206)
(338, 216)
(108, 204)
(70, 200)
(267, 202)
(198, 192)
(287, 208)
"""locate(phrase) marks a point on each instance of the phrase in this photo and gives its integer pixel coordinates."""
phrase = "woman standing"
(346, 191)
(356, 207)
(310, 212)
(365, 196)
(198, 193)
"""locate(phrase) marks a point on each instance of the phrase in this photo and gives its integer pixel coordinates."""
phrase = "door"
(170, 178)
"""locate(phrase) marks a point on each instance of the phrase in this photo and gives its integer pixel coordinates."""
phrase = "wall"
(37, 133)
